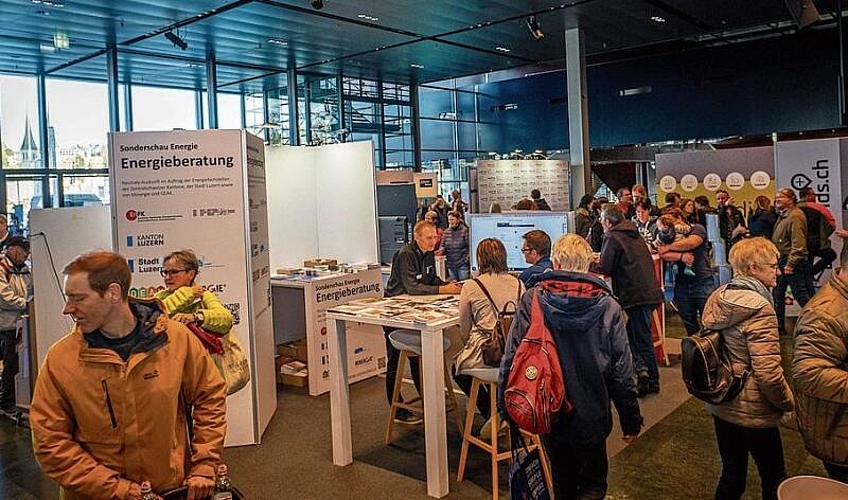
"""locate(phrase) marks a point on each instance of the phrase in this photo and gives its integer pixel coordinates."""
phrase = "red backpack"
(535, 388)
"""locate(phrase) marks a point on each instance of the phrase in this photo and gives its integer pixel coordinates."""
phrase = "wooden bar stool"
(408, 342)
(489, 376)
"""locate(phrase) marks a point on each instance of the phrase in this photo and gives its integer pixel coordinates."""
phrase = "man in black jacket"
(625, 257)
(414, 273)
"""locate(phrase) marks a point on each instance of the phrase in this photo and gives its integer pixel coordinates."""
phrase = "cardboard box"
(294, 380)
(330, 263)
(301, 352)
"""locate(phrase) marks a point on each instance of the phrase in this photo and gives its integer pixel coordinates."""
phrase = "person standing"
(454, 246)
(690, 291)
(625, 202)
(645, 223)
(625, 258)
(820, 373)
(15, 290)
(588, 326)
(109, 407)
(743, 312)
(414, 273)
(790, 237)
(820, 225)
(540, 202)
(584, 216)
(761, 221)
(457, 205)
(537, 252)
(731, 222)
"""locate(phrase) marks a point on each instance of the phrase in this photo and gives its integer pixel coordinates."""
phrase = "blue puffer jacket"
(455, 246)
(587, 325)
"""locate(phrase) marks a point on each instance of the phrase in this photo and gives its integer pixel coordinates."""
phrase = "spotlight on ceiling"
(176, 40)
(317, 4)
(535, 28)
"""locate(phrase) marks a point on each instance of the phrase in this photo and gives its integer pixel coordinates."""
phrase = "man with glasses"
(537, 252)
(15, 290)
(790, 237)
(625, 203)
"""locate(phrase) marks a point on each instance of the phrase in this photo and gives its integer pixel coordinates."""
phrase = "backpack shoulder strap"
(487, 294)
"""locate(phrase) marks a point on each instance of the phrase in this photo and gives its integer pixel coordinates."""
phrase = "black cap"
(18, 241)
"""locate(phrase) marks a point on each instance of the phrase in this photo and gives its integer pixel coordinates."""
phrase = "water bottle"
(223, 486)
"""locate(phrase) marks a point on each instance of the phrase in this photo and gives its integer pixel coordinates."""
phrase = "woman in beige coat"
(748, 424)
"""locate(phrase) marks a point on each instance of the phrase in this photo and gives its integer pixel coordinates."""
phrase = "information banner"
(186, 190)
(507, 181)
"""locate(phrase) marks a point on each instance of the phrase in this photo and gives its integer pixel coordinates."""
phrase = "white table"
(432, 361)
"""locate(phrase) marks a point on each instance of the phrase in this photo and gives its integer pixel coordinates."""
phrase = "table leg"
(435, 427)
(339, 393)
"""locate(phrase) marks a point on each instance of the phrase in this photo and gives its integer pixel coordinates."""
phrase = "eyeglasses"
(525, 250)
(773, 266)
(170, 272)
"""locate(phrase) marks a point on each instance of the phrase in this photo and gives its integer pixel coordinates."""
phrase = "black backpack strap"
(488, 295)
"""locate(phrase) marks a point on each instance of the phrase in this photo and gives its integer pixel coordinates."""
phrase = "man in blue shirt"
(537, 252)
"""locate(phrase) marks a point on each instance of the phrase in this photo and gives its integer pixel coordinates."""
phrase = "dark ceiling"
(255, 41)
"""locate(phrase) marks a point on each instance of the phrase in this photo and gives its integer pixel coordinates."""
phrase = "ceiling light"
(176, 40)
(317, 4)
(49, 3)
(278, 41)
(60, 40)
(414, 65)
(535, 28)
(368, 18)
(502, 49)
(46, 47)
(658, 19)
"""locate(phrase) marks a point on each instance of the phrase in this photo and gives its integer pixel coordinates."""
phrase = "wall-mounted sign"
(760, 180)
(689, 183)
(712, 182)
(425, 183)
(735, 181)
(668, 184)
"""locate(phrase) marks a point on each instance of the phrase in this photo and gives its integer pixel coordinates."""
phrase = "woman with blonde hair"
(743, 311)
(187, 302)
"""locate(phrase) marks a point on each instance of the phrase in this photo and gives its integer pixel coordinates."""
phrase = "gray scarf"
(750, 283)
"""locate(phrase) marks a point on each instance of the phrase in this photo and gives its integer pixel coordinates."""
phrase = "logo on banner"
(668, 183)
(800, 181)
(146, 240)
(146, 265)
(760, 180)
(735, 181)
(712, 182)
(133, 214)
(689, 183)
(131, 264)
(212, 212)
(820, 183)
(145, 292)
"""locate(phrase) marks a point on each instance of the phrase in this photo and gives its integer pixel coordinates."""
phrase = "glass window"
(79, 121)
(19, 135)
(229, 111)
(163, 109)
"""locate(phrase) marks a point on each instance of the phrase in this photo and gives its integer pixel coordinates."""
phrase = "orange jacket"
(100, 424)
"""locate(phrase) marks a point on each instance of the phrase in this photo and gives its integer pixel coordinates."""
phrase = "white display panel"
(508, 181)
(510, 227)
(322, 203)
(68, 232)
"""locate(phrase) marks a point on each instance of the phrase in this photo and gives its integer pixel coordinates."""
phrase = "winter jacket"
(761, 223)
(15, 288)
(216, 317)
(748, 325)
(586, 323)
(455, 246)
(532, 274)
(820, 372)
(541, 204)
(625, 257)
(100, 424)
(790, 236)
(582, 222)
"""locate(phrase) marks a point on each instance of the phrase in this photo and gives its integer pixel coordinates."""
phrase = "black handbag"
(526, 474)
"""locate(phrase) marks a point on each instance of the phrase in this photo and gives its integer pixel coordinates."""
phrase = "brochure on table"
(203, 190)
(366, 345)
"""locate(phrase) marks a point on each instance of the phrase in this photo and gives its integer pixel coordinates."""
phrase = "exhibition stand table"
(430, 315)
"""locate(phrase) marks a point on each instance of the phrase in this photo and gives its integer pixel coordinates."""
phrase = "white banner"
(507, 181)
(186, 190)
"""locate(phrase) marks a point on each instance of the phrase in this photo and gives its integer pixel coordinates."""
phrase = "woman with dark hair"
(583, 216)
(186, 302)
(689, 211)
(645, 223)
(761, 221)
(479, 304)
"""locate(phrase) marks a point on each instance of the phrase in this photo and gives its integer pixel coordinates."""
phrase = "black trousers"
(392, 358)
(836, 472)
(8, 343)
(579, 470)
(734, 444)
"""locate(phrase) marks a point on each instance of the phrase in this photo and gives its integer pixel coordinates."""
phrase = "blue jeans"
(798, 281)
(641, 343)
(460, 273)
(690, 295)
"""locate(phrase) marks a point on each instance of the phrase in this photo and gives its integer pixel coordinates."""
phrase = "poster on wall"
(507, 181)
(744, 173)
(186, 190)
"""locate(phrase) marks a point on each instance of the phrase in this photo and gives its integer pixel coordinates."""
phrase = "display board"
(508, 181)
(67, 232)
(322, 200)
(744, 173)
(510, 227)
(203, 190)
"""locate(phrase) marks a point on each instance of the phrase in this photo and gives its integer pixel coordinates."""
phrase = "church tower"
(29, 149)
